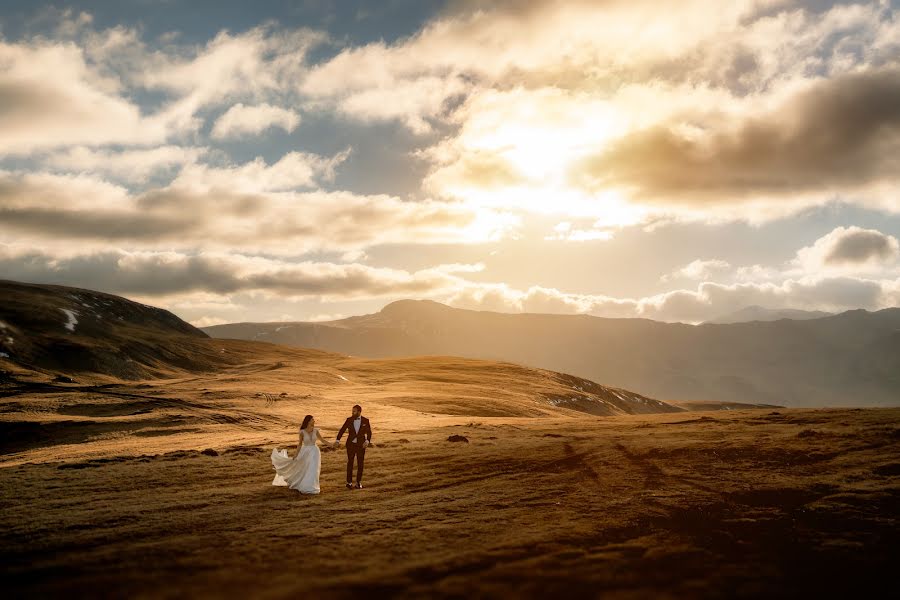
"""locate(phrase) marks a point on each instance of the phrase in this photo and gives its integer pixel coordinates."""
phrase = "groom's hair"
(358, 406)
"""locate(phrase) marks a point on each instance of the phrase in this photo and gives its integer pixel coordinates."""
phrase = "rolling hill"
(850, 359)
(760, 313)
(71, 330)
(55, 331)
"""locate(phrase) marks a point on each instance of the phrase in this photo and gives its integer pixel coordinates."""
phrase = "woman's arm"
(319, 436)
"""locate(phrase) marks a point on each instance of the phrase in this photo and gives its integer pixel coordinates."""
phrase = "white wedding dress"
(300, 473)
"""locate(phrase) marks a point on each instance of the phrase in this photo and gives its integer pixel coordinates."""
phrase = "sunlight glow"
(525, 147)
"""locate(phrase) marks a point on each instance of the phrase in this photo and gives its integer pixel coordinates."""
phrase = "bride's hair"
(306, 421)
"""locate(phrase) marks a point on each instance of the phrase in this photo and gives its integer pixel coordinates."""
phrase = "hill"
(760, 313)
(65, 332)
(71, 330)
(850, 359)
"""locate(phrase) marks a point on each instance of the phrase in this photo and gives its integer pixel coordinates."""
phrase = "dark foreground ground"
(732, 504)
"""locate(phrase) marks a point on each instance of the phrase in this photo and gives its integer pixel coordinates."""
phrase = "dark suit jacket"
(365, 430)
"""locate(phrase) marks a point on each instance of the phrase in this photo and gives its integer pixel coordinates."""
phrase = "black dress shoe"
(349, 486)
(358, 486)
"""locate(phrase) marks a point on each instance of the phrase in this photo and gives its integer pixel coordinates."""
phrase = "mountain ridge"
(48, 331)
(761, 313)
(847, 359)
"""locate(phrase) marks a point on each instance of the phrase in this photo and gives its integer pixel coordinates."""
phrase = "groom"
(360, 434)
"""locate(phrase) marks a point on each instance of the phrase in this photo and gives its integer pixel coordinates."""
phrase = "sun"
(518, 157)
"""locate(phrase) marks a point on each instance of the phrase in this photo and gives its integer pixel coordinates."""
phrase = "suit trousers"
(358, 452)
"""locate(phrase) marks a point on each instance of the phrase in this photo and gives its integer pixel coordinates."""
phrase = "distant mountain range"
(850, 359)
(53, 334)
(759, 313)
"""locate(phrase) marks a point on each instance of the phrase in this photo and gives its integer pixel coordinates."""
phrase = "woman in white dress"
(300, 473)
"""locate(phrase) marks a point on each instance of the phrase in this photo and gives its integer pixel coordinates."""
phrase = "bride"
(300, 473)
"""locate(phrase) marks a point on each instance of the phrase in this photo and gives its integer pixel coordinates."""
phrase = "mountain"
(70, 330)
(760, 313)
(48, 331)
(850, 359)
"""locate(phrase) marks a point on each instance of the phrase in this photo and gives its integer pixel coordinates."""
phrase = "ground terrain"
(134, 462)
(161, 488)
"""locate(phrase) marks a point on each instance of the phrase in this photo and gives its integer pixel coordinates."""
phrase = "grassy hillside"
(851, 359)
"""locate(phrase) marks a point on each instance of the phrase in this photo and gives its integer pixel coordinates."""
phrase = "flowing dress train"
(300, 473)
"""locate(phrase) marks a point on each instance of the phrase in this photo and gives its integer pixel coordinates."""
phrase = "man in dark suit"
(358, 438)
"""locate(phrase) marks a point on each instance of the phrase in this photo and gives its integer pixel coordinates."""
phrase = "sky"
(316, 159)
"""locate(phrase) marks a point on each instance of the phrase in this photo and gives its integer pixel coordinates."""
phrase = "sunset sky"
(308, 160)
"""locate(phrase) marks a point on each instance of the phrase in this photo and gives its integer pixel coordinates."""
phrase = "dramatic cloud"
(240, 120)
(688, 125)
(834, 135)
(80, 90)
(161, 274)
(50, 97)
(578, 43)
(850, 248)
(249, 208)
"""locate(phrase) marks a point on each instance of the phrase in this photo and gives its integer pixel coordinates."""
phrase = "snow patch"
(344, 378)
(72, 320)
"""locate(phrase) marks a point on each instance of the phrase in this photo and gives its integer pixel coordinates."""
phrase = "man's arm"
(343, 429)
(369, 431)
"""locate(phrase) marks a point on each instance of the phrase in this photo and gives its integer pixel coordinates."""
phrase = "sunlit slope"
(847, 359)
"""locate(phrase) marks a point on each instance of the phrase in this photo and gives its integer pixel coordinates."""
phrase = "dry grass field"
(161, 488)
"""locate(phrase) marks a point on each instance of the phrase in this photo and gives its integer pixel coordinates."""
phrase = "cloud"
(849, 249)
(80, 88)
(833, 136)
(50, 96)
(698, 269)
(696, 119)
(254, 64)
(847, 268)
(292, 171)
(565, 232)
(247, 208)
(132, 166)
(172, 274)
(596, 47)
(209, 281)
(856, 245)
(240, 120)
(707, 301)
(500, 46)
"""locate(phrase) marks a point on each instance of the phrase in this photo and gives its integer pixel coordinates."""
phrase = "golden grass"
(116, 499)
